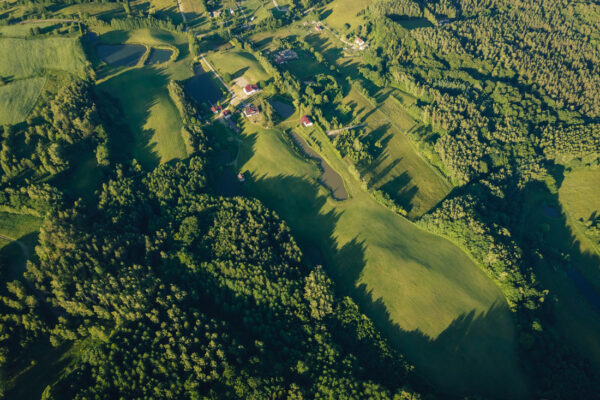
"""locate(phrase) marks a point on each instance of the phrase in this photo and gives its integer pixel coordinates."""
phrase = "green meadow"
(20, 58)
(18, 98)
(238, 63)
(151, 117)
(429, 298)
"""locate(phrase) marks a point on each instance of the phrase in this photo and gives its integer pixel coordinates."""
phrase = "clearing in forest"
(18, 98)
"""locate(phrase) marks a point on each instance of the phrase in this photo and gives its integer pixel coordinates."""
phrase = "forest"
(151, 276)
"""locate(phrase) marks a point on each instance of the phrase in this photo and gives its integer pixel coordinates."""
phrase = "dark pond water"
(550, 211)
(586, 289)
(121, 55)
(284, 110)
(330, 179)
(159, 56)
(203, 88)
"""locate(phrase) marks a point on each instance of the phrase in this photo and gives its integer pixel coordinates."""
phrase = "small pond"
(330, 179)
(284, 110)
(159, 56)
(203, 88)
(121, 55)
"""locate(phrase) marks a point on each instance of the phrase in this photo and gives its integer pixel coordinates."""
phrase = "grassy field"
(21, 30)
(579, 196)
(341, 12)
(150, 114)
(428, 297)
(18, 98)
(20, 58)
(239, 64)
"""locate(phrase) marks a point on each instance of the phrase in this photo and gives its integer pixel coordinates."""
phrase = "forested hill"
(159, 289)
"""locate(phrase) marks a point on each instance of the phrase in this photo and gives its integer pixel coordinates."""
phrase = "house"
(359, 41)
(280, 60)
(251, 110)
(318, 28)
(227, 114)
(306, 121)
(215, 14)
(250, 89)
(216, 109)
(241, 178)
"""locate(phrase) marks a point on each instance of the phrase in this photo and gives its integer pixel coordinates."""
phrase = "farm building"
(226, 113)
(251, 110)
(306, 121)
(359, 41)
(250, 89)
(318, 28)
(241, 178)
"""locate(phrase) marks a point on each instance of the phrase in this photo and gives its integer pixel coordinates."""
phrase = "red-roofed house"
(359, 41)
(250, 89)
(226, 113)
(216, 109)
(251, 110)
(306, 121)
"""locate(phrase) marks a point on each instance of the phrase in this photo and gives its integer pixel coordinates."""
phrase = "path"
(345, 128)
(181, 11)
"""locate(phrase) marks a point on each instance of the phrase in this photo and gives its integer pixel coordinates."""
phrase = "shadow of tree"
(468, 356)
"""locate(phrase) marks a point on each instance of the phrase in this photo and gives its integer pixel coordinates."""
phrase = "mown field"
(20, 58)
(339, 13)
(239, 64)
(579, 196)
(150, 114)
(18, 98)
(429, 298)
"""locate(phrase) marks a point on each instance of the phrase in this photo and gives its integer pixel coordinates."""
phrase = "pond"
(159, 56)
(284, 110)
(121, 55)
(330, 179)
(202, 88)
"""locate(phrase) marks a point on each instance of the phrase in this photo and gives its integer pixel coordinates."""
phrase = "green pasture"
(340, 12)
(579, 195)
(21, 58)
(16, 242)
(18, 98)
(428, 297)
(151, 117)
(238, 63)
(22, 30)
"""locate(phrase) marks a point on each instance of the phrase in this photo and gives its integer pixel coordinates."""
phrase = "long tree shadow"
(469, 356)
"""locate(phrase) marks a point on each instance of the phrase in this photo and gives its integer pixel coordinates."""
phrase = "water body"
(330, 179)
(159, 56)
(585, 288)
(203, 88)
(121, 55)
(284, 110)
(91, 37)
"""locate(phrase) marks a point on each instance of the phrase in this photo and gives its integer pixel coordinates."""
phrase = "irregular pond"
(121, 55)
(284, 110)
(585, 288)
(330, 179)
(159, 56)
(202, 87)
